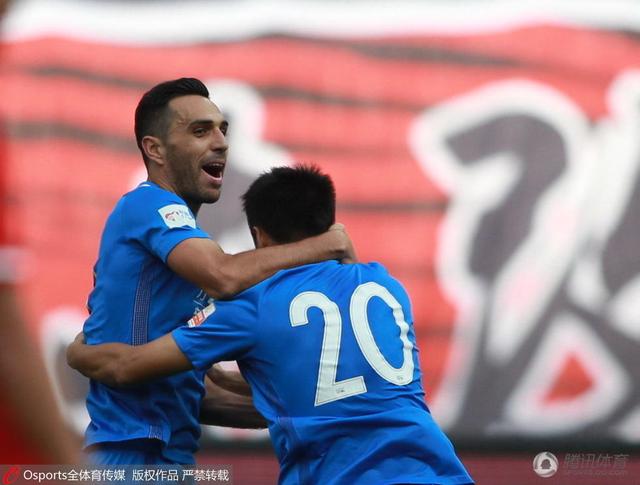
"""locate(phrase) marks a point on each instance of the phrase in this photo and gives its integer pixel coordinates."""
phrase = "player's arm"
(222, 407)
(231, 381)
(202, 261)
(118, 364)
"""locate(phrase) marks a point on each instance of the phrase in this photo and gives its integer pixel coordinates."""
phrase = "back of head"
(291, 203)
(152, 111)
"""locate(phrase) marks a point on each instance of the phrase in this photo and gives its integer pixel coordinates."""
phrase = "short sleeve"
(228, 333)
(159, 220)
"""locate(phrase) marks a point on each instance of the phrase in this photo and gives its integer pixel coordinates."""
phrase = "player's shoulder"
(318, 274)
(378, 273)
(374, 266)
(147, 199)
(371, 269)
(325, 267)
(149, 194)
(246, 302)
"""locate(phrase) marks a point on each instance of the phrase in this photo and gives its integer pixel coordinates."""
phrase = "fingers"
(349, 256)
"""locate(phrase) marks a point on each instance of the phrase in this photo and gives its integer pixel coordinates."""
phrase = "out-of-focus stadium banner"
(487, 152)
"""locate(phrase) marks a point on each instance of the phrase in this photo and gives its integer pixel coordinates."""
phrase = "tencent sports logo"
(545, 464)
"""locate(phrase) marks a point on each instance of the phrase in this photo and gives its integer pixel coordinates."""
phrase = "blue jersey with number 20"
(330, 354)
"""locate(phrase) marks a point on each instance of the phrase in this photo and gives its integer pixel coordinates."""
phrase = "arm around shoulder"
(119, 365)
(202, 261)
(105, 363)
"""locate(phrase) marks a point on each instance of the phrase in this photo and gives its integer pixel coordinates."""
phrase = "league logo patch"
(201, 316)
(176, 215)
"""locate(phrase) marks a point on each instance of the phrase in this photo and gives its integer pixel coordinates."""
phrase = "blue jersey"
(330, 354)
(137, 298)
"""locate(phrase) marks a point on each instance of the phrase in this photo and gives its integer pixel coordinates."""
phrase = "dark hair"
(151, 112)
(291, 203)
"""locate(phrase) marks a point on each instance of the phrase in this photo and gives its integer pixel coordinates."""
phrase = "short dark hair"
(151, 111)
(291, 203)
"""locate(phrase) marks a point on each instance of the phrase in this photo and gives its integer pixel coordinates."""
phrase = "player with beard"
(154, 261)
(328, 349)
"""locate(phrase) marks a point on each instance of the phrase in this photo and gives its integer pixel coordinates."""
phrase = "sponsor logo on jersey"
(201, 316)
(176, 215)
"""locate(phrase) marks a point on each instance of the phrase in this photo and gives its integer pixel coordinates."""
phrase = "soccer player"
(157, 268)
(328, 350)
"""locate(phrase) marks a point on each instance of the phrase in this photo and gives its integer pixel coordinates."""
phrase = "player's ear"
(258, 236)
(261, 238)
(154, 149)
(254, 236)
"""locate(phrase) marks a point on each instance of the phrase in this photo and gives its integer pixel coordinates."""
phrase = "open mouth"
(215, 170)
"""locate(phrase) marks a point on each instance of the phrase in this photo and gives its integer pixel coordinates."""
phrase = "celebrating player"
(154, 261)
(328, 350)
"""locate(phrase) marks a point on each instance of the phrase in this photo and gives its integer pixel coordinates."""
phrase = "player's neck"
(158, 178)
(163, 183)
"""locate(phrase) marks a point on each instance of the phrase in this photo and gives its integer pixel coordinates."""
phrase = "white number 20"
(328, 390)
